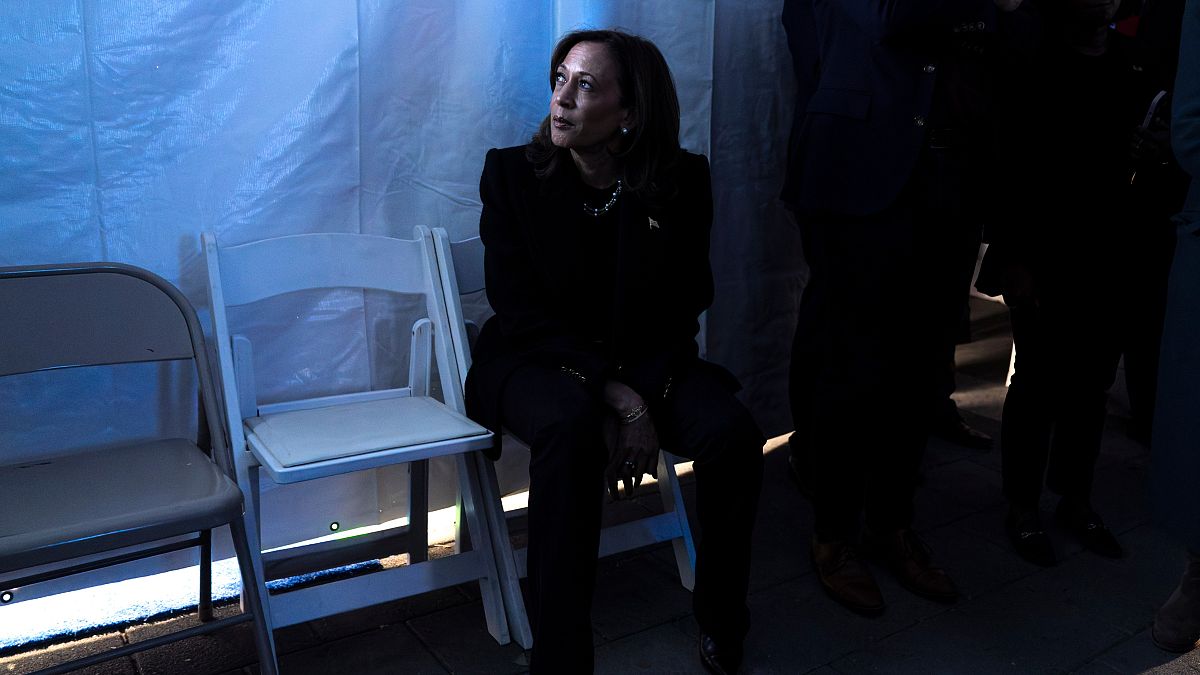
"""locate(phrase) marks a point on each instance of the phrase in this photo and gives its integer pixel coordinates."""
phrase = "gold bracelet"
(633, 415)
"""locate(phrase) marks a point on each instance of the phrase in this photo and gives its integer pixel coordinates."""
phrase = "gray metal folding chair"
(82, 510)
(461, 272)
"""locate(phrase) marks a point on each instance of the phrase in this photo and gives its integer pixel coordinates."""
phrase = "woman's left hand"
(633, 451)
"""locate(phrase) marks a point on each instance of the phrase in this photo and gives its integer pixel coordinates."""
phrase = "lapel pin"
(653, 223)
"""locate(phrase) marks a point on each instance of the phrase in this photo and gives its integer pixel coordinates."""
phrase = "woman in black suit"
(596, 238)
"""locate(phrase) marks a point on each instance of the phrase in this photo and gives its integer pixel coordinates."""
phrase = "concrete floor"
(1087, 615)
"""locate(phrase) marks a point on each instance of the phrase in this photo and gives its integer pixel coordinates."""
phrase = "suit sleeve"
(514, 289)
(694, 284)
(1185, 124)
(689, 289)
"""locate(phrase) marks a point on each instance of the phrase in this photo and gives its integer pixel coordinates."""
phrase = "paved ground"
(1087, 615)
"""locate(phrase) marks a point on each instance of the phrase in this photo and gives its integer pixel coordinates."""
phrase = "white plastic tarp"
(129, 128)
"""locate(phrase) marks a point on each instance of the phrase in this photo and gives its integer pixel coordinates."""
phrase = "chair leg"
(462, 535)
(254, 595)
(204, 607)
(506, 564)
(248, 483)
(471, 497)
(418, 511)
(672, 496)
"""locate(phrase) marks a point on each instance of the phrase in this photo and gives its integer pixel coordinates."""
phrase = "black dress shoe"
(1087, 526)
(719, 659)
(1029, 539)
(959, 432)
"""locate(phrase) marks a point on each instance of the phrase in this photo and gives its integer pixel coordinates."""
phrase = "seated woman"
(596, 238)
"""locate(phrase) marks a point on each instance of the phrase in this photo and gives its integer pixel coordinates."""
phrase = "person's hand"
(633, 451)
(1150, 145)
(1018, 286)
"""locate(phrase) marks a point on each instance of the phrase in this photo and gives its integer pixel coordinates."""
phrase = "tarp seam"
(358, 77)
(359, 80)
(87, 71)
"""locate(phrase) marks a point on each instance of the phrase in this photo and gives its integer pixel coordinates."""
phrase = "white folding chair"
(461, 272)
(301, 440)
(81, 510)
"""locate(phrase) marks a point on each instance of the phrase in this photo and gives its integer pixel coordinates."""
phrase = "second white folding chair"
(302, 440)
(461, 272)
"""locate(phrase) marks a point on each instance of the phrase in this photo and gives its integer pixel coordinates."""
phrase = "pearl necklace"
(596, 211)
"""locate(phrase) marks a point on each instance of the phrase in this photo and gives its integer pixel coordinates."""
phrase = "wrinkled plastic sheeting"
(130, 128)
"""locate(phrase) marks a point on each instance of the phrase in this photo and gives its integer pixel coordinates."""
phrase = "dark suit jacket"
(529, 229)
(801, 29)
(1185, 127)
(863, 125)
(1175, 463)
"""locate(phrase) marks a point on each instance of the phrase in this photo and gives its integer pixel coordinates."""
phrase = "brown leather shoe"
(846, 578)
(1177, 622)
(909, 560)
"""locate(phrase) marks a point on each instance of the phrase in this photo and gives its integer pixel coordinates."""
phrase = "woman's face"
(585, 108)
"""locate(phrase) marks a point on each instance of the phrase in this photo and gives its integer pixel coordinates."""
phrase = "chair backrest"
(468, 262)
(263, 269)
(255, 271)
(70, 316)
(460, 271)
(93, 314)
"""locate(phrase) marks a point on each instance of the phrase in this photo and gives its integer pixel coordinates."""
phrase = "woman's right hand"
(633, 451)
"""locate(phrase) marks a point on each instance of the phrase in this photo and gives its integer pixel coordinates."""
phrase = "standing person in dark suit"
(1175, 458)
(1060, 259)
(596, 239)
(884, 176)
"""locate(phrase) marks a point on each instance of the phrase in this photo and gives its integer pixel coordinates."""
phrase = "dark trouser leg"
(1145, 306)
(1055, 408)
(960, 251)
(827, 355)
(870, 341)
(1026, 423)
(853, 352)
(1078, 429)
(806, 346)
(561, 424)
(1087, 352)
(921, 350)
(702, 420)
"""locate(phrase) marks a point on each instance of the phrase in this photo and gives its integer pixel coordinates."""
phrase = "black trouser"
(561, 423)
(1150, 245)
(881, 303)
(966, 251)
(1067, 353)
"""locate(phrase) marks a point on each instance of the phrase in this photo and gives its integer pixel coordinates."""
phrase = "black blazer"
(529, 229)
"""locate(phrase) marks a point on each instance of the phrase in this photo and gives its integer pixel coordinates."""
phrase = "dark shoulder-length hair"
(647, 89)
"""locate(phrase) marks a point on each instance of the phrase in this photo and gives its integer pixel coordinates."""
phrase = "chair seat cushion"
(59, 508)
(299, 437)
